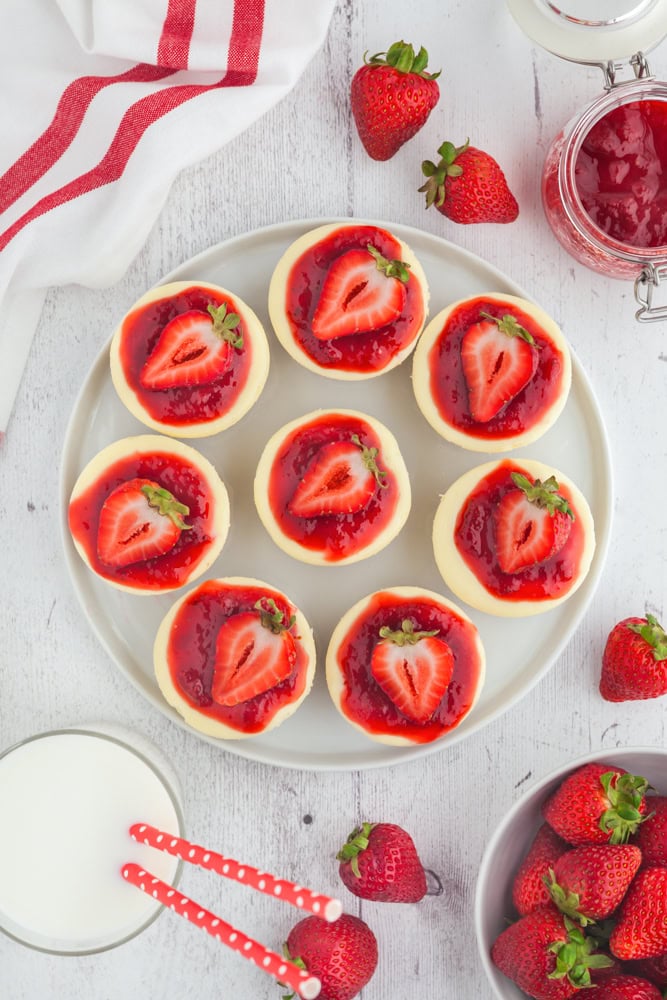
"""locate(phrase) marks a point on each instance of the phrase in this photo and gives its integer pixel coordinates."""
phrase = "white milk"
(67, 800)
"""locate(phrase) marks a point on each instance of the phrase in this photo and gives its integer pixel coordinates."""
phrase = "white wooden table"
(303, 160)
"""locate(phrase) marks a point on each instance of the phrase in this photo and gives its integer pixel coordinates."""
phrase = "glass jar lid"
(591, 31)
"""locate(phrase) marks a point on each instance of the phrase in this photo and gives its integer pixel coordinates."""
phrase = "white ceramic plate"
(519, 652)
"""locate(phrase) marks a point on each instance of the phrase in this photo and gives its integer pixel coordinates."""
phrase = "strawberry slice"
(193, 349)
(532, 523)
(341, 479)
(363, 291)
(254, 651)
(139, 520)
(499, 358)
(413, 669)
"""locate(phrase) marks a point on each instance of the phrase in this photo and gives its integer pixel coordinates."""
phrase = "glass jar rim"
(577, 215)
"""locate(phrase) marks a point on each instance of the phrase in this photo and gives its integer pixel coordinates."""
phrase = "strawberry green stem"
(543, 494)
(166, 503)
(575, 958)
(272, 617)
(390, 268)
(368, 457)
(509, 325)
(225, 323)
(625, 793)
(355, 845)
(401, 57)
(437, 173)
(567, 902)
(654, 634)
(406, 635)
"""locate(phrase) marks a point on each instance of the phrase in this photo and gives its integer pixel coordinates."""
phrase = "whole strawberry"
(588, 883)
(651, 837)
(634, 661)
(343, 954)
(597, 804)
(641, 928)
(546, 955)
(528, 888)
(622, 987)
(392, 96)
(467, 185)
(379, 861)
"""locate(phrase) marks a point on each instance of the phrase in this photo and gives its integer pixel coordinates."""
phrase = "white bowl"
(513, 836)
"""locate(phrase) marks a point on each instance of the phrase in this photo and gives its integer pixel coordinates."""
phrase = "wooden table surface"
(304, 160)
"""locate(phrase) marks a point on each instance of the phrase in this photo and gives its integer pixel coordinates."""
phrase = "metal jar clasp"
(645, 285)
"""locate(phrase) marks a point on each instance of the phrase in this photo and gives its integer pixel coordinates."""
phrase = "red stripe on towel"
(174, 46)
(244, 49)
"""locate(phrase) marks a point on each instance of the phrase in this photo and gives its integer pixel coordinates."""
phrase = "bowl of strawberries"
(572, 890)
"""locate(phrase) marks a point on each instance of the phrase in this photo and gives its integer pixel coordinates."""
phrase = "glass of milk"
(67, 801)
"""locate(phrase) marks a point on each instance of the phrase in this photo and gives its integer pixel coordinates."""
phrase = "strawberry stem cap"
(401, 57)
(510, 326)
(654, 634)
(625, 793)
(543, 494)
(167, 504)
(369, 458)
(272, 617)
(355, 845)
(406, 635)
(575, 958)
(224, 324)
(390, 268)
(437, 173)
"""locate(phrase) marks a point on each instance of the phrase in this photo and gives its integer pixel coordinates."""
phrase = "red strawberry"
(651, 837)
(589, 882)
(641, 927)
(139, 520)
(254, 651)
(634, 662)
(340, 479)
(546, 955)
(597, 804)
(621, 987)
(499, 358)
(654, 969)
(343, 954)
(379, 861)
(413, 669)
(193, 349)
(467, 186)
(392, 96)
(532, 523)
(362, 291)
(528, 888)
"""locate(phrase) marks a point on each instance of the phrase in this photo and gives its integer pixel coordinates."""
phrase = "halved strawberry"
(341, 479)
(139, 520)
(193, 349)
(363, 291)
(413, 669)
(499, 358)
(532, 523)
(254, 651)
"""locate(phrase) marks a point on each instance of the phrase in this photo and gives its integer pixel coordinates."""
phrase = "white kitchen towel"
(102, 103)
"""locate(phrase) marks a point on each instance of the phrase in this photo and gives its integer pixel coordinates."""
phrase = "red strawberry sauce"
(185, 482)
(358, 352)
(475, 528)
(187, 404)
(621, 173)
(448, 385)
(365, 702)
(337, 536)
(191, 654)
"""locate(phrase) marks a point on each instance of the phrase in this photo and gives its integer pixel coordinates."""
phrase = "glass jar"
(584, 31)
(69, 798)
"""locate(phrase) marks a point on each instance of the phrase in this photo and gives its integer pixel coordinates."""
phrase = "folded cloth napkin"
(103, 103)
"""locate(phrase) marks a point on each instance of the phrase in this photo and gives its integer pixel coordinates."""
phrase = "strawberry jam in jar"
(604, 184)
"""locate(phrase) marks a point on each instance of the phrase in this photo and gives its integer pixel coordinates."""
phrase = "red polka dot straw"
(286, 972)
(297, 895)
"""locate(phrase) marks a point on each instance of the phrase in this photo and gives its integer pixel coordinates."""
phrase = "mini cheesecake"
(348, 300)
(405, 666)
(331, 487)
(189, 359)
(234, 657)
(149, 514)
(492, 372)
(513, 538)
